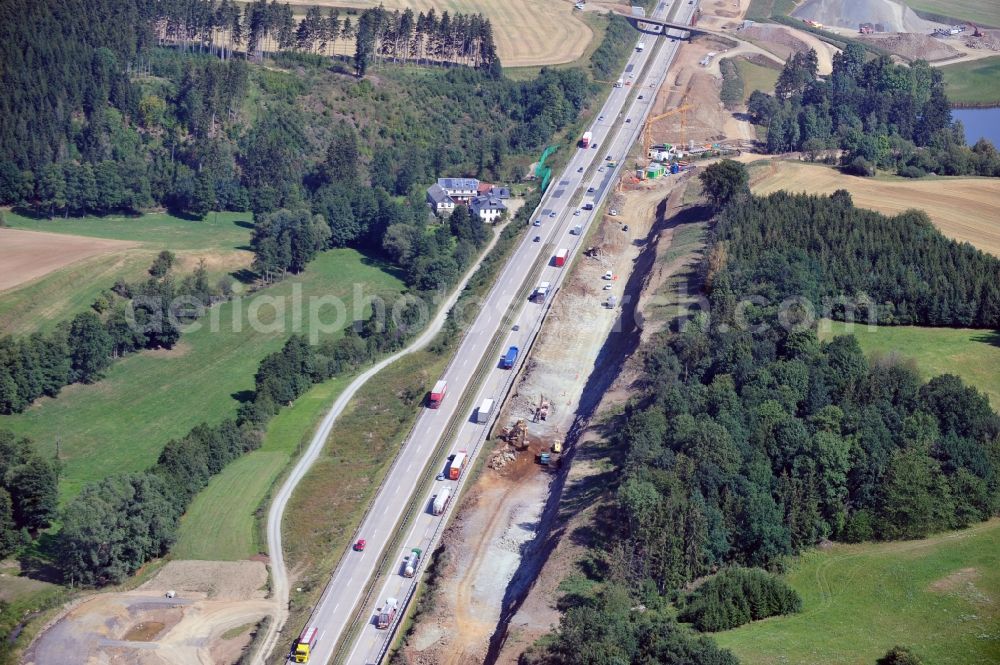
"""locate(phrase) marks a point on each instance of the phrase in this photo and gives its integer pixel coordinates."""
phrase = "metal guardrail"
(535, 331)
(485, 366)
(445, 442)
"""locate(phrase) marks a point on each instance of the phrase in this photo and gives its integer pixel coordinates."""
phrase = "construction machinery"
(647, 138)
(516, 435)
(542, 410)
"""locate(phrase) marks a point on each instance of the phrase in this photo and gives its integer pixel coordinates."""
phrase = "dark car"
(360, 545)
(538, 238)
(590, 190)
(580, 170)
(640, 96)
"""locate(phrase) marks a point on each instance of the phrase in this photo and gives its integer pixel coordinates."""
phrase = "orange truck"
(457, 464)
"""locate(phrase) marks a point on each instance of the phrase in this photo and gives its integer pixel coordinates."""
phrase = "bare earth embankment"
(966, 209)
(28, 255)
(500, 550)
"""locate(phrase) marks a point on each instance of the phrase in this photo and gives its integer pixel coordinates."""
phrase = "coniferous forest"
(882, 115)
(754, 440)
(121, 107)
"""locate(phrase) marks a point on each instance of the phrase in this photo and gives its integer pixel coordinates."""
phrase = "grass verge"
(973, 355)
(756, 77)
(233, 503)
(936, 596)
(327, 506)
(974, 83)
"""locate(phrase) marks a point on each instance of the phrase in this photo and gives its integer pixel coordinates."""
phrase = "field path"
(279, 575)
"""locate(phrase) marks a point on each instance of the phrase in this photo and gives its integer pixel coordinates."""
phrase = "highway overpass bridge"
(655, 26)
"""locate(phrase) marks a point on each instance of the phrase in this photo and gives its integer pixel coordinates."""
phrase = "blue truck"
(510, 358)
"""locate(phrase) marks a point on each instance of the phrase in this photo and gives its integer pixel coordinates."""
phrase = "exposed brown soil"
(28, 255)
(912, 46)
(955, 580)
(145, 626)
(144, 631)
(504, 555)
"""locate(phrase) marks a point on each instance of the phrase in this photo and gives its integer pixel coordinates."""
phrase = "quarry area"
(899, 30)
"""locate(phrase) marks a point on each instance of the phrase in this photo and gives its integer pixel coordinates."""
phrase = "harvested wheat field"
(528, 33)
(966, 209)
(28, 255)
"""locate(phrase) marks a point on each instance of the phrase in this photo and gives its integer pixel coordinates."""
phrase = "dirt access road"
(491, 553)
(28, 255)
(208, 622)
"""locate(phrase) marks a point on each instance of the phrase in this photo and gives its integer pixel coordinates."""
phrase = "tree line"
(462, 39)
(754, 440)
(261, 28)
(116, 525)
(898, 270)
(29, 492)
(882, 115)
(124, 319)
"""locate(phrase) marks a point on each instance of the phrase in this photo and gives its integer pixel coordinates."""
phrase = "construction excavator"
(516, 435)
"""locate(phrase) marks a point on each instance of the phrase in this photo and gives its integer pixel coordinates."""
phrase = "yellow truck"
(304, 645)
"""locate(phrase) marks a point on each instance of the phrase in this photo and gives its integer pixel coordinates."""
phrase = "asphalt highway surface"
(618, 127)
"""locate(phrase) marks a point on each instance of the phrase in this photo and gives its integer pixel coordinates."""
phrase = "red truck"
(437, 394)
(457, 464)
(387, 613)
(561, 257)
(585, 141)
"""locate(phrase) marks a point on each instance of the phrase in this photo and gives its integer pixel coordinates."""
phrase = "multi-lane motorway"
(618, 126)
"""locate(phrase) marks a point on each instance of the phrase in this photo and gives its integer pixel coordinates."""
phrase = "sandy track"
(965, 209)
(782, 41)
(527, 32)
(28, 255)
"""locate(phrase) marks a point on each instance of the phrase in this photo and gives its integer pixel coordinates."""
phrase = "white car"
(576, 213)
(607, 287)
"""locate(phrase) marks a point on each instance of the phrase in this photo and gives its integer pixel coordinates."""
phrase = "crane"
(648, 131)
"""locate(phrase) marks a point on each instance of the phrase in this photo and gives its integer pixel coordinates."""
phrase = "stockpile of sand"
(911, 46)
(851, 13)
